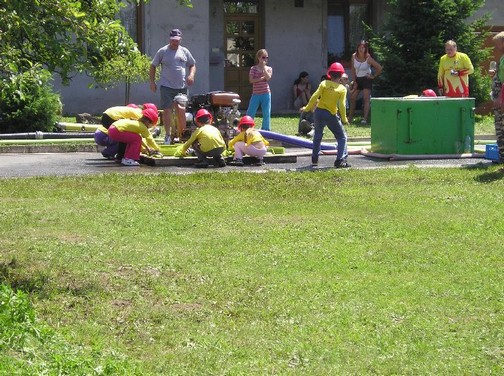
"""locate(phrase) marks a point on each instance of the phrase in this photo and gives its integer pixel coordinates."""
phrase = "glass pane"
(128, 17)
(240, 43)
(233, 27)
(232, 60)
(248, 27)
(335, 37)
(240, 6)
(247, 60)
(358, 15)
(231, 43)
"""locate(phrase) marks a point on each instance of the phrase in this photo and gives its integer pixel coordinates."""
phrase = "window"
(131, 17)
(241, 7)
(345, 28)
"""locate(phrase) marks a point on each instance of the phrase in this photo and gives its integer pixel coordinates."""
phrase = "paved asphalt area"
(87, 163)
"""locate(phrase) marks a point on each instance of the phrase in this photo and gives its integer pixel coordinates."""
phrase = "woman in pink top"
(259, 76)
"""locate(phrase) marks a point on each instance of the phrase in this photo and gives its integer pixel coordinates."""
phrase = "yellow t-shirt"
(135, 126)
(123, 112)
(208, 136)
(331, 97)
(455, 86)
(250, 136)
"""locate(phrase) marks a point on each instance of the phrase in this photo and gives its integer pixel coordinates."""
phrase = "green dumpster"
(422, 125)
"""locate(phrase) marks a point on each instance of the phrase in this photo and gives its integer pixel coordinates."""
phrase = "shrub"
(28, 102)
(30, 347)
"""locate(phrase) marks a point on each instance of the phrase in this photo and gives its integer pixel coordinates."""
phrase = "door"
(242, 33)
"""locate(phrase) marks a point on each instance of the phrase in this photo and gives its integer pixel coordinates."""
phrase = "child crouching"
(132, 133)
(249, 141)
(206, 141)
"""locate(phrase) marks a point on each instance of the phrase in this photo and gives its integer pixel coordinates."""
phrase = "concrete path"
(87, 163)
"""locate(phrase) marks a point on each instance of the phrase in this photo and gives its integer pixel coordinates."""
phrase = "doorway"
(243, 37)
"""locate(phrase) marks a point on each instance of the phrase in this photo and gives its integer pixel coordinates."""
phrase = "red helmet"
(150, 105)
(202, 112)
(132, 105)
(429, 93)
(335, 67)
(246, 120)
(151, 114)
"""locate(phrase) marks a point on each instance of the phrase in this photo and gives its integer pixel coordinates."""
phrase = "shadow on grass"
(488, 176)
(10, 274)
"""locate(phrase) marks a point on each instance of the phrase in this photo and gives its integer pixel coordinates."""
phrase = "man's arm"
(192, 74)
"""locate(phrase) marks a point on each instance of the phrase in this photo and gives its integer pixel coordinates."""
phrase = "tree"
(64, 37)
(413, 40)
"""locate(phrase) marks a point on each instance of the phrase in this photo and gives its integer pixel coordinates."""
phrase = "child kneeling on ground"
(249, 141)
(132, 133)
(206, 141)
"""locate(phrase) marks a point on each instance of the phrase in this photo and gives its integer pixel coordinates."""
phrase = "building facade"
(223, 36)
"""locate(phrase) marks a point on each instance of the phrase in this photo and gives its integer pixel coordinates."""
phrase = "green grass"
(393, 271)
(288, 124)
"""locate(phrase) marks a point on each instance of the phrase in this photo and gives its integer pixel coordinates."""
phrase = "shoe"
(260, 162)
(167, 140)
(201, 164)
(219, 161)
(311, 133)
(363, 122)
(342, 163)
(236, 162)
(129, 162)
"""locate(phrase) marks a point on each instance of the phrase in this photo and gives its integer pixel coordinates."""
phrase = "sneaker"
(201, 164)
(311, 133)
(260, 162)
(363, 122)
(167, 140)
(236, 162)
(342, 163)
(219, 161)
(129, 162)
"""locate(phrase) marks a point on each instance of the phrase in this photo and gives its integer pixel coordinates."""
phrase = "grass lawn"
(393, 271)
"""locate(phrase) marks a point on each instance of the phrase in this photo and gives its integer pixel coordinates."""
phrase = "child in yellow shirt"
(248, 141)
(330, 103)
(132, 133)
(206, 141)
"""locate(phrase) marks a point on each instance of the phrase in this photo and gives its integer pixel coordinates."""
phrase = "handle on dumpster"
(410, 125)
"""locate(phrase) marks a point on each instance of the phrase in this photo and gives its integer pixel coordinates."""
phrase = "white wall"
(294, 37)
(216, 45)
(295, 40)
(496, 10)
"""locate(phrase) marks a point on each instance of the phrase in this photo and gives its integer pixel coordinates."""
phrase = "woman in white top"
(362, 62)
